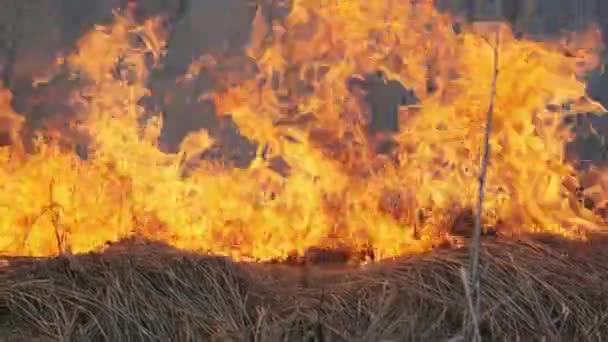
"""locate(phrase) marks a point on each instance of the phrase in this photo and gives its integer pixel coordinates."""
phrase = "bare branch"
(476, 242)
(473, 312)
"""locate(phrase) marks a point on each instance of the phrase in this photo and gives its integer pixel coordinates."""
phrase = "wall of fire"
(34, 33)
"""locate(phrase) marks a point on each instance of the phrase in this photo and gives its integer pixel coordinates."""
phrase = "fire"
(335, 192)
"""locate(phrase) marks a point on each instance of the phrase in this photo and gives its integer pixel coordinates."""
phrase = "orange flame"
(338, 192)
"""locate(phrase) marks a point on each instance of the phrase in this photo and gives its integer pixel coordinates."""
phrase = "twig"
(473, 312)
(319, 324)
(55, 220)
(475, 245)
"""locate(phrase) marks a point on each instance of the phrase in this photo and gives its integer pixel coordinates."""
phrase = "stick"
(470, 302)
(475, 247)
(319, 324)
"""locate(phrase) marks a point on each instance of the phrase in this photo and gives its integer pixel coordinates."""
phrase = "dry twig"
(476, 242)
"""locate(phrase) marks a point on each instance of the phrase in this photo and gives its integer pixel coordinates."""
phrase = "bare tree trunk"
(602, 18)
(526, 10)
(470, 10)
(13, 37)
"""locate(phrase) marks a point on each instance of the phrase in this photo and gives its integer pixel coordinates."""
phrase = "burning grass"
(310, 107)
(336, 193)
(138, 291)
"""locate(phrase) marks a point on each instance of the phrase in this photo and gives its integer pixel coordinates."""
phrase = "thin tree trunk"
(602, 18)
(12, 43)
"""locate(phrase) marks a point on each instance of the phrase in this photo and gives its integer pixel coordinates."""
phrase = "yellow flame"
(337, 192)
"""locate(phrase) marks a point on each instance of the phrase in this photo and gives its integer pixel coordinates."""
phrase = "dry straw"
(549, 289)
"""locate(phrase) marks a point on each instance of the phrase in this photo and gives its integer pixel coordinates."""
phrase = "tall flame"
(337, 192)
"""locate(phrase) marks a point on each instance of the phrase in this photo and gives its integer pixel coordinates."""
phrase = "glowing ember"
(338, 193)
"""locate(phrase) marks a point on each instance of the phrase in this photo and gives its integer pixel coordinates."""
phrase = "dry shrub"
(540, 288)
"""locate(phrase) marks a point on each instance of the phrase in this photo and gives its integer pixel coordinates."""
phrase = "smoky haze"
(34, 33)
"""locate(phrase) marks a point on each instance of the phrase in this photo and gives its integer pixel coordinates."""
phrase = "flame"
(336, 192)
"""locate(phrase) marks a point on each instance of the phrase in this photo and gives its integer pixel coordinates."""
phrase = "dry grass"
(149, 292)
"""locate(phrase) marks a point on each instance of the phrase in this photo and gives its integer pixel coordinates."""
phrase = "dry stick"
(471, 306)
(475, 247)
(319, 324)
(53, 209)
